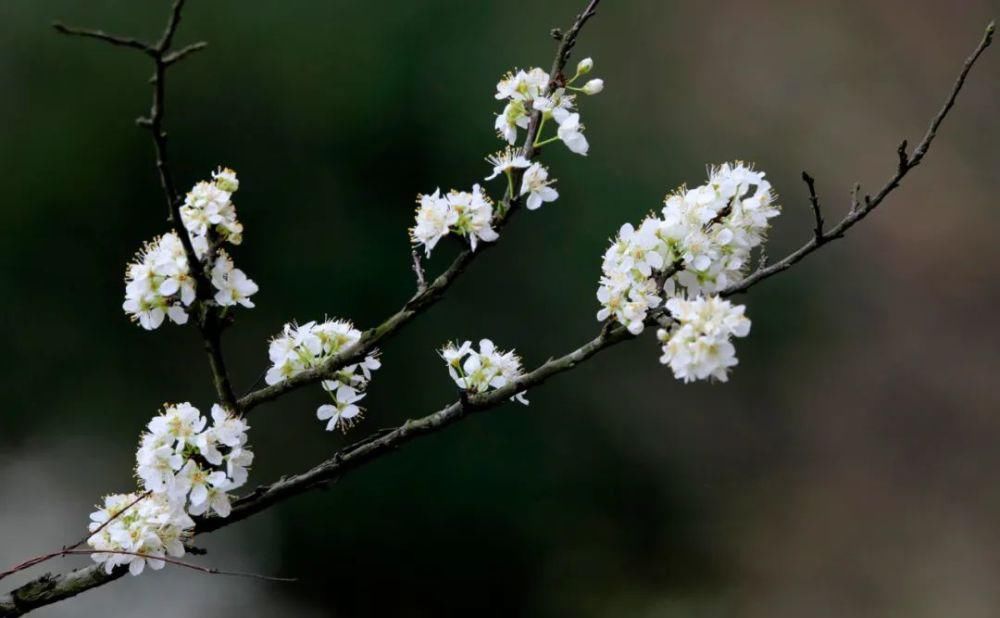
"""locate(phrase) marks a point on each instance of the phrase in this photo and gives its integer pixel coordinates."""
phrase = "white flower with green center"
(479, 371)
(208, 207)
(226, 180)
(158, 284)
(344, 411)
(299, 348)
(232, 285)
(434, 219)
(475, 215)
(536, 185)
(505, 161)
(137, 531)
(197, 480)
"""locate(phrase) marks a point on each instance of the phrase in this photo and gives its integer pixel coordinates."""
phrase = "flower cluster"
(535, 181)
(701, 244)
(159, 283)
(468, 214)
(628, 289)
(186, 467)
(471, 214)
(534, 90)
(712, 229)
(478, 372)
(311, 345)
(138, 530)
(191, 463)
(208, 209)
(698, 346)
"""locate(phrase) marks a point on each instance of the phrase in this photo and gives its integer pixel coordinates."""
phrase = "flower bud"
(584, 66)
(593, 86)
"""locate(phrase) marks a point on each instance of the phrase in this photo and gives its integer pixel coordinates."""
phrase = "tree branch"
(861, 210)
(814, 202)
(431, 293)
(180, 54)
(209, 321)
(418, 271)
(104, 36)
(49, 589)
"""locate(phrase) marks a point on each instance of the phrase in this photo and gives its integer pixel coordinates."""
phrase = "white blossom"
(713, 228)
(311, 345)
(158, 283)
(558, 105)
(479, 371)
(475, 215)
(435, 217)
(533, 91)
(699, 346)
(513, 117)
(193, 464)
(153, 527)
(700, 244)
(536, 185)
(522, 85)
(195, 481)
(627, 290)
(226, 180)
(343, 412)
(506, 160)
(519, 89)
(231, 284)
(216, 499)
(208, 207)
(467, 213)
(571, 133)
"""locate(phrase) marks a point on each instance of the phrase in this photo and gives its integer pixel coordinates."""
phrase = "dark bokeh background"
(850, 468)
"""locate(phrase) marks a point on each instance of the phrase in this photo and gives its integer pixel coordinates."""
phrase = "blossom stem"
(538, 134)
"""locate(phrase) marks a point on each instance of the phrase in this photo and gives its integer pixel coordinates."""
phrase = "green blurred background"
(850, 467)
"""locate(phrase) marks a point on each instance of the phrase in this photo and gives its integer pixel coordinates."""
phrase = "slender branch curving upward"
(859, 210)
(428, 294)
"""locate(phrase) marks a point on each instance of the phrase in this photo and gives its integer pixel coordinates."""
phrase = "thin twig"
(98, 529)
(180, 54)
(209, 319)
(171, 28)
(860, 210)
(418, 271)
(100, 35)
(814, 202)
(436, 288)
(166, 559)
